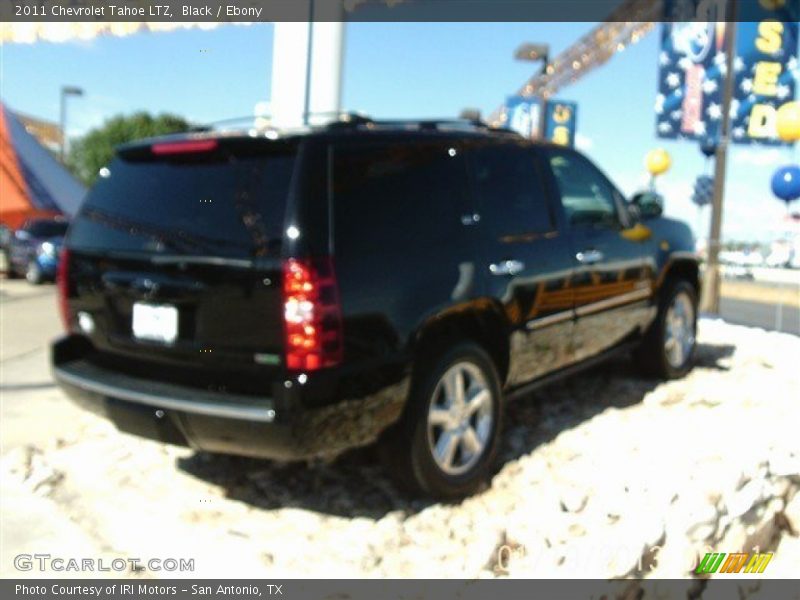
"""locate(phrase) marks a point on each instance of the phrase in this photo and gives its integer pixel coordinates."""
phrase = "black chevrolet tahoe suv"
(294, 295)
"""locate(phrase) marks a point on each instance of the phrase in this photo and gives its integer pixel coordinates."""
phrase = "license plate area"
(155, 322)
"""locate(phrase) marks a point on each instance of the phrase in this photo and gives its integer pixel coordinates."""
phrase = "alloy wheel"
(679, 335)
(460, 418)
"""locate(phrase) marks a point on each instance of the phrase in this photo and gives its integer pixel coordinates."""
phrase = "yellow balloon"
(789, 122)
(657, 162)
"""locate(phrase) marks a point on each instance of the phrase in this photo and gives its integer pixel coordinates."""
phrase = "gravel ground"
(606, 475)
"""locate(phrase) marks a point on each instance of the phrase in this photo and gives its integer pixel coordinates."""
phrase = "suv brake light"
(190, 147)
(311, 314)
(62, 281)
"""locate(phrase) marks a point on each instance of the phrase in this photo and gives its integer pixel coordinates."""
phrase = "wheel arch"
(481, 321)
(681, 267)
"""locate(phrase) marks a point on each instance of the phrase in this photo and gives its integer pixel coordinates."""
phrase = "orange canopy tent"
(32, 182)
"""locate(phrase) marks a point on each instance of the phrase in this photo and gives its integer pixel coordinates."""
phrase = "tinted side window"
(510, 196)
(397, 196)
(586, 194)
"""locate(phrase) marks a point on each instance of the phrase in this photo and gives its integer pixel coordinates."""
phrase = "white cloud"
(750, 211)
(631, 182)
(759, 157)
(583, 143)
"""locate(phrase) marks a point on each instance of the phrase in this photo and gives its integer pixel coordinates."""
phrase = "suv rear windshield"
(222, 206)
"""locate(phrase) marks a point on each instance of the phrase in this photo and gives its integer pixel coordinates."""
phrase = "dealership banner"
(765, 68)
(693, 68)
(691, 74)
(561, 122)
(524, 115)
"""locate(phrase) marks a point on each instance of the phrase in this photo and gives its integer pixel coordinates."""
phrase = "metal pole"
(541, 125)
(63, 149)
(307, 98)
(712, 276)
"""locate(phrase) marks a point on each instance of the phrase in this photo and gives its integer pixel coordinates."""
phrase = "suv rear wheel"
(668, 348)
(447, 440)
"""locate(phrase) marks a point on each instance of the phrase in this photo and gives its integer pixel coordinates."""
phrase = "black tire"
(407, 448)
(10, 272)
(652, 356)
(33, 273)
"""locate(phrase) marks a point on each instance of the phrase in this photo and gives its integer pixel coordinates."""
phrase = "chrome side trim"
(550, 320)
(588, 309)
(208, 408)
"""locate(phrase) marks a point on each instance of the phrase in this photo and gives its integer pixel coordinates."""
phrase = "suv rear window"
(46, 229)
(224, 206)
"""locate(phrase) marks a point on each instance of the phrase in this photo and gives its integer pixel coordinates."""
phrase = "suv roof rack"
(264, 121)
(355, 121)
(344, 120)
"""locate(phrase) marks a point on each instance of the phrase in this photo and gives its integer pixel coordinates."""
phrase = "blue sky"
(393, 70)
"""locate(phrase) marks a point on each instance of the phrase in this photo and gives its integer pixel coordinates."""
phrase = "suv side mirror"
(648, 205)
(634, 212)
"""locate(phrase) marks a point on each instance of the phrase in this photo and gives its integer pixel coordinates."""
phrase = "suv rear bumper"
(263, 427)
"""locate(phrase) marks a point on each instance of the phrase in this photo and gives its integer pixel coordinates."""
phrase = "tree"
(95, 150)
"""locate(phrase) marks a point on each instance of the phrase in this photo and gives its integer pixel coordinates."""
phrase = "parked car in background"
(5, 238)
(784, 253)
(34, 248)
(293, 296)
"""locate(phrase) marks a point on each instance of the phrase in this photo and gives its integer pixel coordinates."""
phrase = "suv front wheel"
(447, 440)
(669, 346)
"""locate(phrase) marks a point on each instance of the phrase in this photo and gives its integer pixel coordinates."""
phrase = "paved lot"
(771, 301)
(28, 321)
(662, 469)
(765, 315)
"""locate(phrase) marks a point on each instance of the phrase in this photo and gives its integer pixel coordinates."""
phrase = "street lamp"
(66, 90)
(530, 52)
(533, 53)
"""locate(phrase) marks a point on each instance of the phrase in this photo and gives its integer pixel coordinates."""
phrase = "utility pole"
(307, 63)
(712, 275)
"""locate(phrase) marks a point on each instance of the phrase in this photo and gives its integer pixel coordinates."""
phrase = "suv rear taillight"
(62, 280)
(311, 314)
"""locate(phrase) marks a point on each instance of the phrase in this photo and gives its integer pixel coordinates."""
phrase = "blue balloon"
(708, 147)
(703, 190)
(786, 183)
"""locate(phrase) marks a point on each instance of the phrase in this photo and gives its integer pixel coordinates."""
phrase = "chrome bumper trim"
(209, 408)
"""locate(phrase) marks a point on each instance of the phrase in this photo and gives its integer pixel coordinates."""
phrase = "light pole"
(533, 52)
(66, 90)
(711, 286)
(530, 52)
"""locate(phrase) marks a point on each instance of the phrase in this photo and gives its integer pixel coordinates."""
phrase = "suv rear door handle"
(589, 257)
(506, 267)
